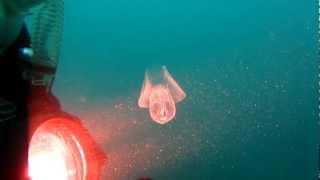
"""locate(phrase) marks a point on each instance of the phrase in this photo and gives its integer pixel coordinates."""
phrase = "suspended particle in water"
(160, 95)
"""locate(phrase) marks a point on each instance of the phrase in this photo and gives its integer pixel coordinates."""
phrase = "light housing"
(60, 147)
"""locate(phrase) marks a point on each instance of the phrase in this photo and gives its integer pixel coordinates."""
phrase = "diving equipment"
(46, 40)
(81, 157)
(29, 111)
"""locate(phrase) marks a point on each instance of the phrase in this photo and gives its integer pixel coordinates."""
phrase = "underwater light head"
(60, 146)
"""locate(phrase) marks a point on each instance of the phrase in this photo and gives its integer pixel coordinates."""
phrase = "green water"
(249, 69)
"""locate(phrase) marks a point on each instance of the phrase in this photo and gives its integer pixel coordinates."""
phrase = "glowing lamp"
(60, 147)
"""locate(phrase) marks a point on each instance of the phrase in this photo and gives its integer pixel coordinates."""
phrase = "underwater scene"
(207, 89)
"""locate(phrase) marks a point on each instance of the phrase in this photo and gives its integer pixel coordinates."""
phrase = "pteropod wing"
(143, 101)
(176, 91)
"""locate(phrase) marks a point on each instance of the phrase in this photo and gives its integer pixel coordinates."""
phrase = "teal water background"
(249, 69)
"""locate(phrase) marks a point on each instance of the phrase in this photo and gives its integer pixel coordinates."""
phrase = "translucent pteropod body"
(161, 97)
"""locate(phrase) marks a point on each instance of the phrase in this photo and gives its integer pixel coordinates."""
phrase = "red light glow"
(48, 159)
(59, 150)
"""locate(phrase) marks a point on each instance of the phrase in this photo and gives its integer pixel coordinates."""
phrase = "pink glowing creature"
(160, 98)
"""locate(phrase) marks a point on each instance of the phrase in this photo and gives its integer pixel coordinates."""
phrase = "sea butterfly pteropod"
(160, 97)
